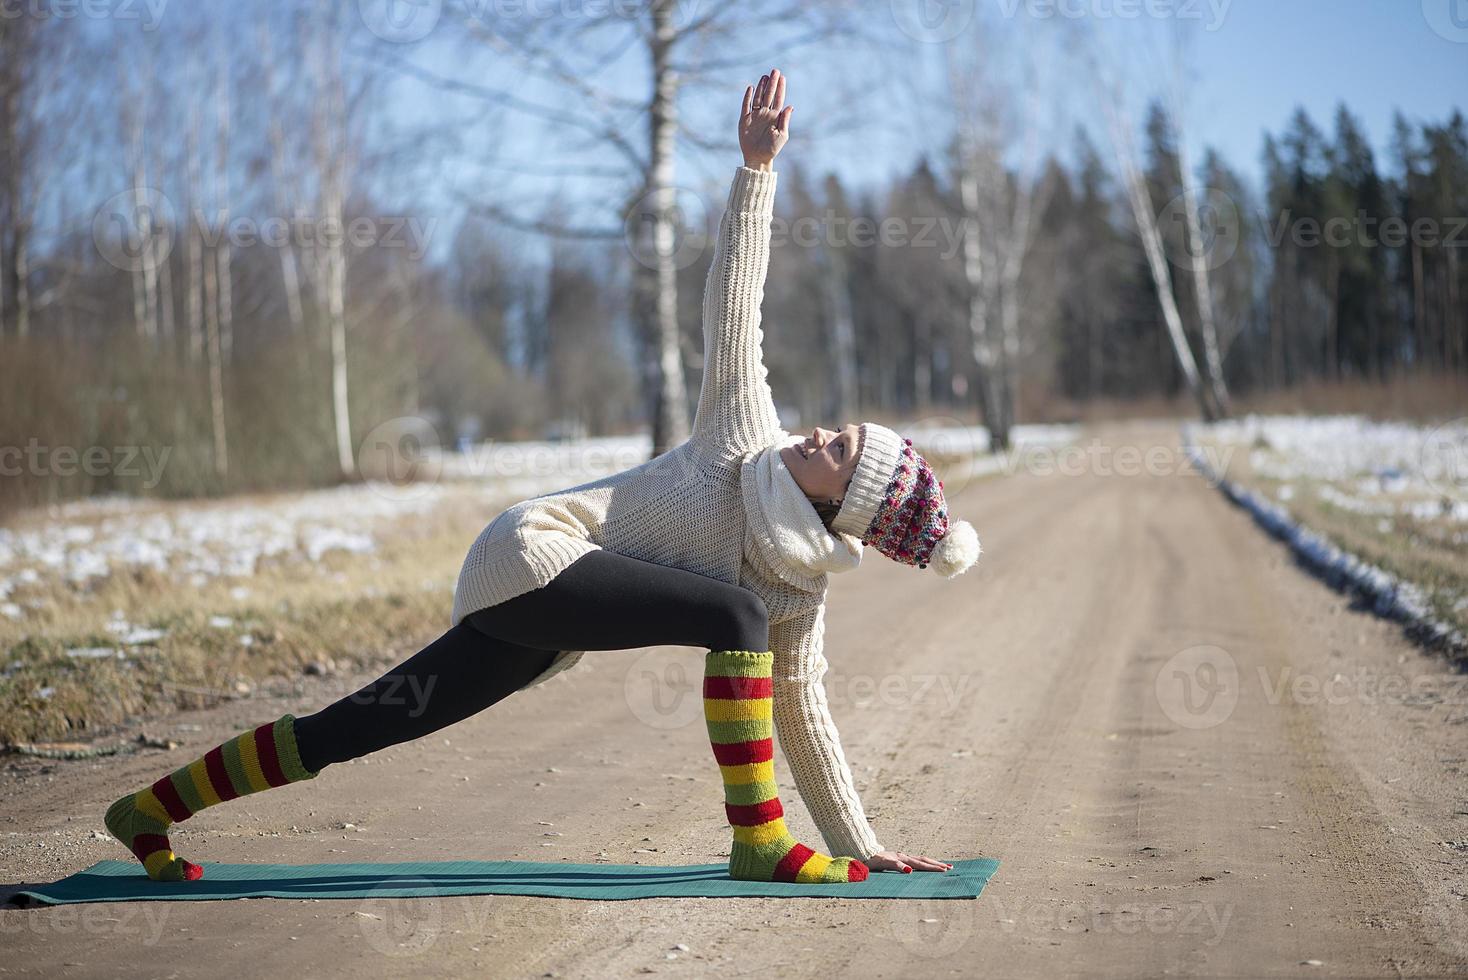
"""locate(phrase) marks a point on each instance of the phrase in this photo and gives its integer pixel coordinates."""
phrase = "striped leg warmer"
(737, 693)
(256, 760)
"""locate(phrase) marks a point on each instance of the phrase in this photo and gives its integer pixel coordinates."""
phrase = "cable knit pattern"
(687, 509)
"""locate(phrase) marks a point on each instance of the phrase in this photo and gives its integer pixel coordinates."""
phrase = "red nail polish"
(907, 871)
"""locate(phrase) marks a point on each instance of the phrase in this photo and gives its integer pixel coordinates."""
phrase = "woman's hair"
(826, 510)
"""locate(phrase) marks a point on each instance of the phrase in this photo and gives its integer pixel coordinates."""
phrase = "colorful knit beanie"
(896, 505)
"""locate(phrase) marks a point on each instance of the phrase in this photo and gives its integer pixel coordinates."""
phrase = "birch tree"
(329, 127)
(281, 179)
(681, 46)
(1119, 128)
(998, 228)
(21, 56)
(1197, 250)
(224, 250)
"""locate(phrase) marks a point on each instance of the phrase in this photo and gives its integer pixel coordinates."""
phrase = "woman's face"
(822, 465)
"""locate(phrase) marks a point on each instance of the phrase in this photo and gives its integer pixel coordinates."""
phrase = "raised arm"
(812, 746)
(735, 409)
(809, 738)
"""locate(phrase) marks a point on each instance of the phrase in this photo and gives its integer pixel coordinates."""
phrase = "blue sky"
(1246, 65)
(1269, 57)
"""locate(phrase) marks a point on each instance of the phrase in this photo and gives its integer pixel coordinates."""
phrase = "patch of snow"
(1386, 469)
(95, 653)
(1390, 596)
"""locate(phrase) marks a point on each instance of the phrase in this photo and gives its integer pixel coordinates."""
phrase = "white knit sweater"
(700, 507)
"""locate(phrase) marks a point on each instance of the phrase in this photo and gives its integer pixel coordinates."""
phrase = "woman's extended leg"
(457, 675)
(603, 601)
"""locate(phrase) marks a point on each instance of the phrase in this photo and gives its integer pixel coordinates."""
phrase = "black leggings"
(603, 601)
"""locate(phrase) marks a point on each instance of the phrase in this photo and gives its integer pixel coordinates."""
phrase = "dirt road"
(1191, 758)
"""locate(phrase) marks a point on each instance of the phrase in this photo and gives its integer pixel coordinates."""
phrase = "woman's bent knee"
(746, 622)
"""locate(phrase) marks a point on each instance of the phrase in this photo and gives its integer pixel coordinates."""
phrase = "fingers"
(783, 123)
(748, 95)
(777, 86)
(920, 863)
(761, 92)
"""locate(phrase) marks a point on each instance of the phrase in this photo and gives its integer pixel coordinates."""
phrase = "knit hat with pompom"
(895, 504)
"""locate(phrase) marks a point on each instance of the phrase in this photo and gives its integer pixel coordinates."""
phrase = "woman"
(719, 543)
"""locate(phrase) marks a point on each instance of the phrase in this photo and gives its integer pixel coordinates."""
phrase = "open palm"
(764, 120)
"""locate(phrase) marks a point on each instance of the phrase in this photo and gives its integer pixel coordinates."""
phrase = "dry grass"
(1412, 398)
(345, 611)
(1418, 398)
(1426, 553)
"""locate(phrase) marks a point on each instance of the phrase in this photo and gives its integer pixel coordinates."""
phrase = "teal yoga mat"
(123, 881)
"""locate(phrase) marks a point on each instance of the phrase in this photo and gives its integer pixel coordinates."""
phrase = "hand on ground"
(900, 861)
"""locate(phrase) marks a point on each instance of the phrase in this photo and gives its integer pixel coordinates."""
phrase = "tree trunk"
(843, 336)
(1333, 317)
(1202, 288)
(670, 422)
(216, 368)
(1156, 259)
(290, 273)
(143, 252)
(981, 341)
(1419, 304)
(194, 304)
(331, 149)
(20, 265)
(223, 253)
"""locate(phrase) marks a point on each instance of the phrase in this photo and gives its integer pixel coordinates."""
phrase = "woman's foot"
(769, 853)
(256, 760)
(146, 835)
(737, 693)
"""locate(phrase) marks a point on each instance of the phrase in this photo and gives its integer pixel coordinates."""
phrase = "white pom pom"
(957, 552)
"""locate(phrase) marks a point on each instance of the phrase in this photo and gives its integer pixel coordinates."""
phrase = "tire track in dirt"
(1022, 720)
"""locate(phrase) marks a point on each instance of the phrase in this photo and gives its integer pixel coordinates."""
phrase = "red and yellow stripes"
(738, 697)
(255, 760)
